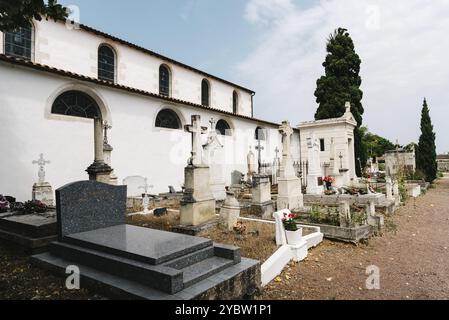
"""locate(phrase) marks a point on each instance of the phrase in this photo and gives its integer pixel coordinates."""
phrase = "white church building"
(61, 85)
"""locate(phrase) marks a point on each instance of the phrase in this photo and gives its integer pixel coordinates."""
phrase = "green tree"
(341, 83)
(16, 14)
(376, 146)
(426, 154)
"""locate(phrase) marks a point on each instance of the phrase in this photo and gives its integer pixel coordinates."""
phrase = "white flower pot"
(294, 237)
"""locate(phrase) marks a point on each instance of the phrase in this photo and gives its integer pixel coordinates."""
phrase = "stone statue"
(251, 160)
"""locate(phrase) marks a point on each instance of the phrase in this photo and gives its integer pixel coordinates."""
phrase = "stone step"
(204, 269)
(244, 276)
(192, 258)
(146, 245)
(32, 226)
(163, 278)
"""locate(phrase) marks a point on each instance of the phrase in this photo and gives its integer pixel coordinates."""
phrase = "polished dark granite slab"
(147, 245)
(89, 205)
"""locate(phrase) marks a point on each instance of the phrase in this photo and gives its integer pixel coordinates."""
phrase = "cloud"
(403, 46)
(262, 11)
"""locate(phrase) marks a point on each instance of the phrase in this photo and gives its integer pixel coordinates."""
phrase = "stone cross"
(41, 163)
(276, 151)
(146, 186)
(286, 131)
(212, 123)
(259, 149)
(196, 130)
(146, 199)
(341, 160)
(106, 127)
(348, 107)
(287, 165)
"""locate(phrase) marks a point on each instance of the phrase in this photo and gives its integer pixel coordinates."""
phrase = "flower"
(328, 179)
(289, 222)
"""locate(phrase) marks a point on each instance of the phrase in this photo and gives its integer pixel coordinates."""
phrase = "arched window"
(205, 93)
(76, 104)
(260, 134)
(235, 102)
(223, 128)
(164, 81)
(168, 119)
(19, 43)
(106, 63)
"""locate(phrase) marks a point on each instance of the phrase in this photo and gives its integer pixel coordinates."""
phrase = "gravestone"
(289, 185)
(314, 173)
(236, 178)
(251, 162)
(89, 205)
(213, 150)
(262, 205)
(130, 262)
(133, 184)
(198, 203)
(42, 190)
(230, 211)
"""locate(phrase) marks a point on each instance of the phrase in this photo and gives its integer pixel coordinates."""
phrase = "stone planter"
(352, 235)
(294, 237)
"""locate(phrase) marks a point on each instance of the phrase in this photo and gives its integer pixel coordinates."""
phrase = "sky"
(277, 47)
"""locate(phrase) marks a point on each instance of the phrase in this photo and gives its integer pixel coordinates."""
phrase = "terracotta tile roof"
(443, 157)
(72, 75)
(157, 55)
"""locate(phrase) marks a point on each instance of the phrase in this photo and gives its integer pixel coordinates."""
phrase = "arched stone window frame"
(260, 130)
(230, 132)
(32, 44)
(235, 102)
(208, 101)
(114, 52)
(174, 109)
(172, 113)
(95, 95)
(168, 92)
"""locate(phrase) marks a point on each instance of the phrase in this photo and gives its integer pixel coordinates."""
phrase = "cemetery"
(137, 245)
(138, 182)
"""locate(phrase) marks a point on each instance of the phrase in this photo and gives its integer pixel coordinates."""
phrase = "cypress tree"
(341, 83)
(426, 154)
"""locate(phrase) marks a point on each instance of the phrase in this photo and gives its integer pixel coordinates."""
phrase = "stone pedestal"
(290, 194)
(230, 212)
(312, 184)
(198, 203)
(100, 172)
(262, 205)
(389, 188)
(344, 213)
(43, 192)
(107, 151)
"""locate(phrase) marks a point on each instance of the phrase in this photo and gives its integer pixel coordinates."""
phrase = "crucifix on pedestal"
(146, 199)
(106, 127)
(41, 163)
(196, 130)
(287, 169)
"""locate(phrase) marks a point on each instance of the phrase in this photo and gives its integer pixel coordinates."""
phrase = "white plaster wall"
(27, 129)
(340, 133)
(75, 50)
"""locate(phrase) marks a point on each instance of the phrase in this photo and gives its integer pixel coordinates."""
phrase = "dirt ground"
(412, 257)
(19, 280)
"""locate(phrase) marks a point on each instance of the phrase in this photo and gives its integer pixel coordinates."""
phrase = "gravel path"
(412, 255)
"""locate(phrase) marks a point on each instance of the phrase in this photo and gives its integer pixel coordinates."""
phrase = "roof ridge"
(158, 55)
